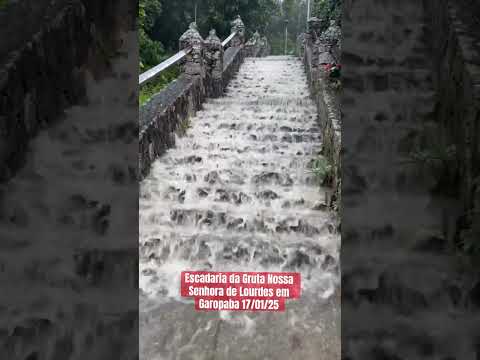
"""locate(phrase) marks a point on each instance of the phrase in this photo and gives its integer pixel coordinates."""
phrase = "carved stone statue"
(333, 34)
(192, 39)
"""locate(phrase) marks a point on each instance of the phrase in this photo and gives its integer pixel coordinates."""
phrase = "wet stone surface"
(68, 230)
(236, 194)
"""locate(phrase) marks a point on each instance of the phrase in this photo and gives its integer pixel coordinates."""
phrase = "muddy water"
(237, 194)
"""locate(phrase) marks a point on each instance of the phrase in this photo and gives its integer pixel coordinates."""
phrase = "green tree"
(327, 9)
(151, 51)
(211, 14)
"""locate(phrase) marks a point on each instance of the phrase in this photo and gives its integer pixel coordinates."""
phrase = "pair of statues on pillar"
(192, 36)
(331, 35)
(205, 59)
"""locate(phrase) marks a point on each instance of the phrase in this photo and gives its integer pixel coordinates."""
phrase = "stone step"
(266, 221)
(211, 250)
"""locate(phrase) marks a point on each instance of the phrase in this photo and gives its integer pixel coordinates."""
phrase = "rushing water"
(236, 193)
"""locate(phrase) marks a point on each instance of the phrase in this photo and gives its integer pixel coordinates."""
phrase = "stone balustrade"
(320, 47)
(206, 71)
(43, 65)
(456, 50)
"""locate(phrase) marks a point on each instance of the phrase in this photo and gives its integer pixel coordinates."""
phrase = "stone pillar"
(214, 64)
(312, 43)
(266, 46)
(301, 45)
(253, 45)
(239, 27)
(314, 29)
(194, 63)
(332, 37)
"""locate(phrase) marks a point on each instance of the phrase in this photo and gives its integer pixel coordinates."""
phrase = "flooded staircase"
(237, 194)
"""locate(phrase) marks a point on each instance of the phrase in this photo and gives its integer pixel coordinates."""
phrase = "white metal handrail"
(228, 39)
(155, 71)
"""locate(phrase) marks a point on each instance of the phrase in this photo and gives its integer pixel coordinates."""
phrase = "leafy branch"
(322, 170)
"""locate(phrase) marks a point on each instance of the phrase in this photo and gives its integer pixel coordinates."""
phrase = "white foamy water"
(237, 194)
(73, 203)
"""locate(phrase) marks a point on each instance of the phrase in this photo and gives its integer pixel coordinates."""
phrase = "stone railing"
(206, 70)
(320, 49)
(456, 25)
(43, 65)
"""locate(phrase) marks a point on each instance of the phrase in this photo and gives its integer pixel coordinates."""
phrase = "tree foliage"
(211, 14)
(162, 22)
(151, 51)
(327, 9)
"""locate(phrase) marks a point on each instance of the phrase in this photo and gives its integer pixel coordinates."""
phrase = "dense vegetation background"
(162, 22)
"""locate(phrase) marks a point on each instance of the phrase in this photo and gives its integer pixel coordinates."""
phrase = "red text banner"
(240, 291)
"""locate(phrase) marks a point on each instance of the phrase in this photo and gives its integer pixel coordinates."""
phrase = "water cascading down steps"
(237, 194)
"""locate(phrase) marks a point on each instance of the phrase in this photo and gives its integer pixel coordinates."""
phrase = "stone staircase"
(237, 193)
